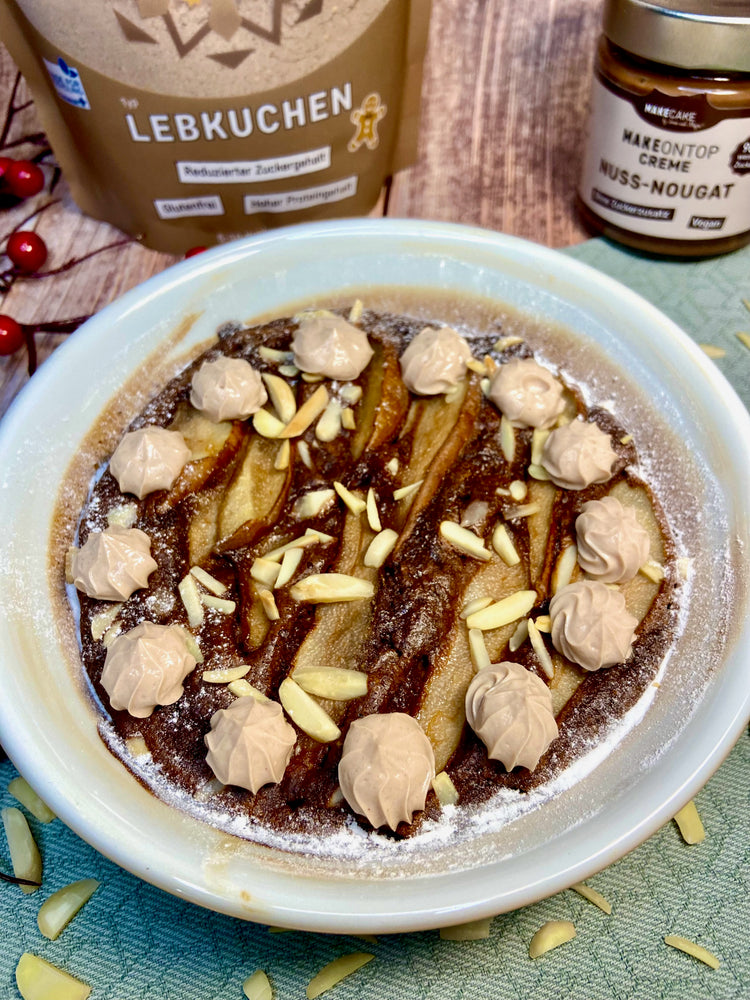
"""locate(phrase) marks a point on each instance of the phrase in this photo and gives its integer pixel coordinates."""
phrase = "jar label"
(668, 166)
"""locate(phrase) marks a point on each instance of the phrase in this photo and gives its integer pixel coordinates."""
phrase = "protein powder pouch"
(192, 122)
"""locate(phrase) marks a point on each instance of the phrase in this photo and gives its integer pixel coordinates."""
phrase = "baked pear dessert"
(352, 570)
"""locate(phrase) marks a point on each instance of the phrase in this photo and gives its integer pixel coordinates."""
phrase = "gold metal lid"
(691, 34)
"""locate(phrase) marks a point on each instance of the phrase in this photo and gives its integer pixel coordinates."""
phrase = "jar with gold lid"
(667, 159)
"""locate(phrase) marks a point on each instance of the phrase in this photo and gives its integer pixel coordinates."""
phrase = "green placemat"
(135, 942)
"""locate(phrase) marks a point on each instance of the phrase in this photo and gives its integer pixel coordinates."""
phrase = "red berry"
(27, 250)
(5, 162)
(194, 251)
(24, 178)
(11, 336)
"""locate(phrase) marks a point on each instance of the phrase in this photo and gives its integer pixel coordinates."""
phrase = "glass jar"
(667, 160)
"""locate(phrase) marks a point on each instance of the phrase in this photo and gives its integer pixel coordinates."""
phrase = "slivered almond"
(24, 854)
(392, 466)
(306, 414)
(652, 571)
(518, 490)
(538, 437)
(689, 824)
(447, 794)
(137, 746)
(334, 683)
(507, 439)
(478, 649)
(626, 439)
(281, 395)
(523, 510)
(520, 636)
(272, 356)
(353, 502)
(289, 565)
(479, 367)
(265, 570)
(191, 644)
(335, 971)
(319, 536)
(712, 351)
(267, 425)
(209, 582)
(543, 623)
(102, 621)
(257, 986)
(454, 392)
(373, 516)
(503, 343)
(225, 675)
(537, 644)
(348, 421)
(289, 371)
(744, 338)
(219, 604)
(503, 612)
(303, 450)
(503, 545)
(355, 313)
(327, 588)
(303, 710)
(191, 599)
(58, 910)
(328, 427)
(564, 568)
(244, 689)
(283, 456)
(39, 980)
(351, 393)
(551, 935)
(111, 634)
(592, 895)
(313, 503)
(476, 605)
(22, 791)
(123, 516)
(472, 930)
(691, 948)
(380, 548)
(407, 491)
(269, 605)
(464, 540)
(310, 537)
(540, 473)
(486, 386)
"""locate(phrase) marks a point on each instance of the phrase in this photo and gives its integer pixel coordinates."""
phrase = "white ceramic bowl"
(47, 724)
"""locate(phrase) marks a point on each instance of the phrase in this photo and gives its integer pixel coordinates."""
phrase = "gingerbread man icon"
(366, 118)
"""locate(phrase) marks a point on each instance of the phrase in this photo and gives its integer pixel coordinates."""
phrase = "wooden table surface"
(504, 106)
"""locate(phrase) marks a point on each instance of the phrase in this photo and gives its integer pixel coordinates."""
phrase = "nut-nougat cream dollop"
(146, 667)
(435, 361)
(227, 389)
(386, 768)
(113, 563)
(148, 459)
(250, 743)
(578, 454)
(527, 393)
(510, 710)
(591, 624)
(331, 346)
(612, 545)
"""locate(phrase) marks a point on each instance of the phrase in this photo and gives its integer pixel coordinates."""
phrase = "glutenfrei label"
(668, 166)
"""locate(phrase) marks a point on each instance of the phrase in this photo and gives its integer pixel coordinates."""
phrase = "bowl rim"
(575, 863)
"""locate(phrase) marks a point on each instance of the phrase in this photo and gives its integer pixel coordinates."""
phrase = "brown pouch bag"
(192, 122)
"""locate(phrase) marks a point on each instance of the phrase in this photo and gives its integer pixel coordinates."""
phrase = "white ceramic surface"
(47, 724)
